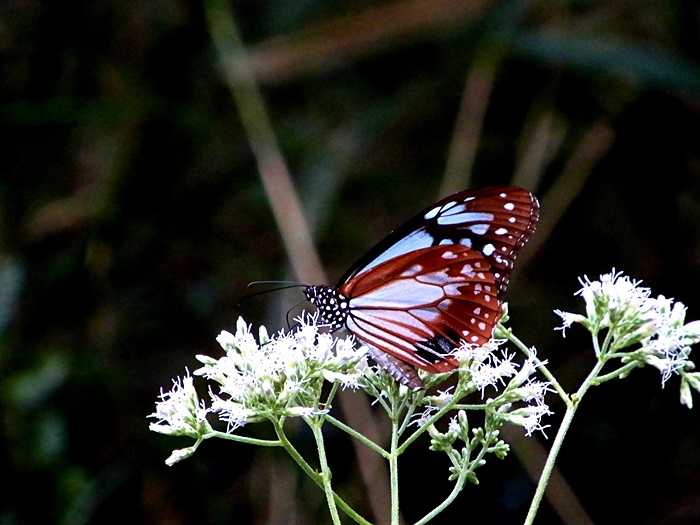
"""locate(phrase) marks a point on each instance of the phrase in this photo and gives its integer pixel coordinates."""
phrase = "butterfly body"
(332, 305)
(434, 283)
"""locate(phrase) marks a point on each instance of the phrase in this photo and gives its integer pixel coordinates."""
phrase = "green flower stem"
(394, 466)
(325, 471)
(242, 439)
(462, 406)
(331, 395)
(502, 331)
(459, 486)
(407, 419)
(625, 369)
(606, 343)
(564, 428)
(432, 419)
(358, 436)
(314, 476)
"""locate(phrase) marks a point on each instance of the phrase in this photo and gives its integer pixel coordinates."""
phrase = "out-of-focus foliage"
(131, 218)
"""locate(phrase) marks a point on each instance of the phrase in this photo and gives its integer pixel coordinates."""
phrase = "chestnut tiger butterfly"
(435, 282)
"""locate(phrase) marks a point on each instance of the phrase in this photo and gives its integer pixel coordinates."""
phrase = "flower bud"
(686, 394)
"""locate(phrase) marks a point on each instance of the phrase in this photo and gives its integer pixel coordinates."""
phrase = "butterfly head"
(332, 306)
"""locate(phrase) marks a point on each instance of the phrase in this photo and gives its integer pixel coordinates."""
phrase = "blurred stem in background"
(288, 213)
(464, 144)
(470, 119)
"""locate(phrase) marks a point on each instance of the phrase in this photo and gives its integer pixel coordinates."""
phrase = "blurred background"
(142, 158)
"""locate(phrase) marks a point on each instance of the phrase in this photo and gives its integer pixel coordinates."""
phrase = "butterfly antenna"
(276, 286)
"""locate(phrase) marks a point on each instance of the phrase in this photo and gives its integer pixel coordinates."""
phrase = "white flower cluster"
(279, 376)
(614, 299)
(522, 400)
(619, 304)
(486, 367)
(179, 411)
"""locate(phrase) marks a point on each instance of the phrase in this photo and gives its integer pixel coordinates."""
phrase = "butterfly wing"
(419, 306)
(494, 221)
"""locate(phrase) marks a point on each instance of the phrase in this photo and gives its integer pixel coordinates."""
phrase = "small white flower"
(179, 454)
(441, 398)
(421, 418)
(485, 365)
(668, 347)
(692, 332)
(568, 319)
(529, 417)
(179, 412)
(233, 414)
(686, 394)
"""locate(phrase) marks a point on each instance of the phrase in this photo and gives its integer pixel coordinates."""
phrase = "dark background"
(132, 215)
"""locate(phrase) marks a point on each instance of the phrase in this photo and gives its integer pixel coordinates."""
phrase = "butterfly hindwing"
(418, 307)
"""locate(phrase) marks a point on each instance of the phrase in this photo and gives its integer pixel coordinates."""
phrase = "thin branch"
(594, 144)
(258, 126)
(357, 435)
(315, 476)
(540, 141)
(343, 39)
(620, 372)
(242, 439)
(470, 119)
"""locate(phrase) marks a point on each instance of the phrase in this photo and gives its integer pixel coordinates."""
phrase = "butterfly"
(434, 283)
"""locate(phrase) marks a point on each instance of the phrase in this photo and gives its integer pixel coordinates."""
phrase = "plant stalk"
(559, 440)
(314, 476)
(394, 469)
(325, 471)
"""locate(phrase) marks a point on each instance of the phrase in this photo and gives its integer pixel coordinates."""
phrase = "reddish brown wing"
(418, 307)
(495, 221)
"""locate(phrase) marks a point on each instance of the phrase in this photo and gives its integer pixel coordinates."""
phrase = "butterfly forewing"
(493, 221)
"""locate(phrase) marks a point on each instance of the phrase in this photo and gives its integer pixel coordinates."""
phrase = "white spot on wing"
(502, 195)
(448, 205)
(466, 242)
(464, 217)
(413, 270)
(432, 213)
(511, 220)
(509, 206)
(449, 255)
(479, 229)
(501, 231)
(489, 249)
